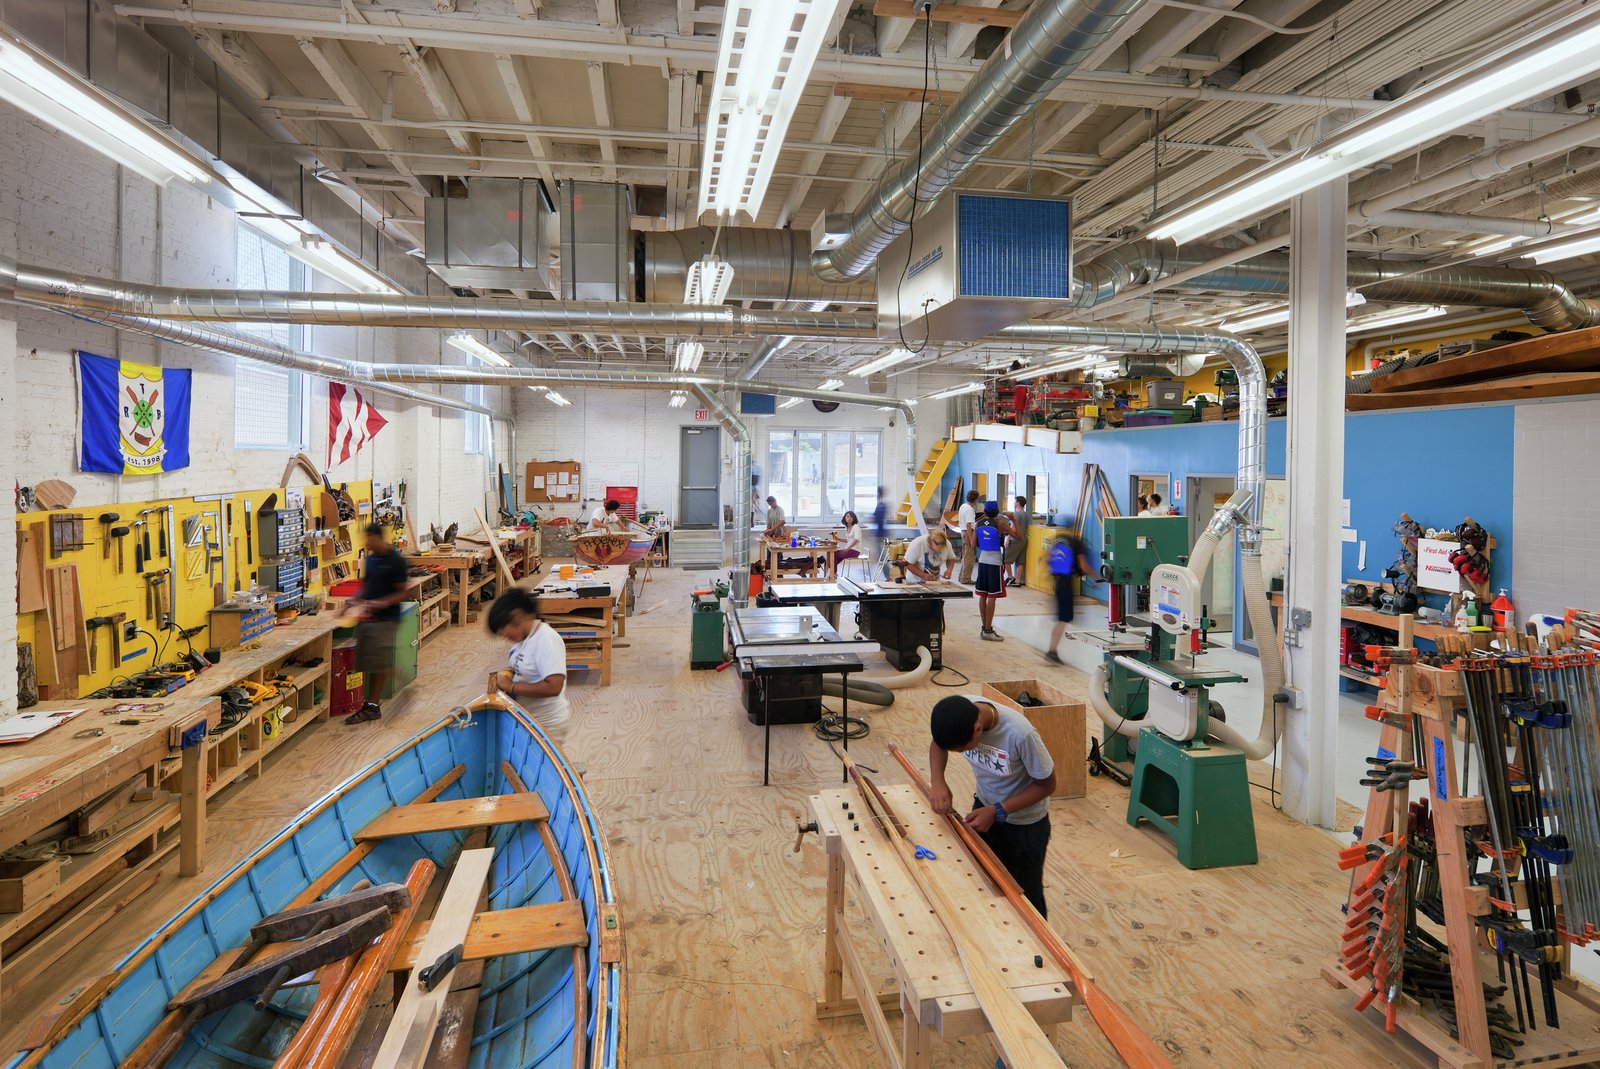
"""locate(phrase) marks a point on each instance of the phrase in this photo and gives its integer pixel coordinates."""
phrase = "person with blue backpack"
(1068, 557)
(989, 534)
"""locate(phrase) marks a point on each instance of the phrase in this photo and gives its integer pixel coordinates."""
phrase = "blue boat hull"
(526, 1017)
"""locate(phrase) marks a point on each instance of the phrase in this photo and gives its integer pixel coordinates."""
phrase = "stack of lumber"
(1552, 365)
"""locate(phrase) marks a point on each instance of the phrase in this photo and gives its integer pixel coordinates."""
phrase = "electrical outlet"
(130, 631)
(1297, 697)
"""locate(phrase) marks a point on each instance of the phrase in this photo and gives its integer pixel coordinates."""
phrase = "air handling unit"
(974, 263)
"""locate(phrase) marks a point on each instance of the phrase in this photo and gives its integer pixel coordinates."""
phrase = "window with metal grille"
(269, 403)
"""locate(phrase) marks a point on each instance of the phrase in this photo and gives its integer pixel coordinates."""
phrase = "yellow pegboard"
(106, 592)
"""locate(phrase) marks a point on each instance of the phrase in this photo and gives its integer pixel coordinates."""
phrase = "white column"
(1315, 488)
(10, 405)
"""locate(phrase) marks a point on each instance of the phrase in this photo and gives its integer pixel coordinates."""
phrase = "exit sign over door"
(702, 414)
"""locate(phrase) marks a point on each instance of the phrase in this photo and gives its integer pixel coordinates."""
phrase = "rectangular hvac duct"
(496, 237)
(977, 262)
(596, 244)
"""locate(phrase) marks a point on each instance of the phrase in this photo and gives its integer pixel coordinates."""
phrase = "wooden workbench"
(819, 561)
(520, 548)
(74, 772)
(934, 994)
(587, 624)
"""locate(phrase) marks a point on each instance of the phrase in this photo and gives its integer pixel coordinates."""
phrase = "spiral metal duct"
(72, 292)
(1049, 43)
(768, 265)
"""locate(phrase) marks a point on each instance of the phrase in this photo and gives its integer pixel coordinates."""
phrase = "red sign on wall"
(702, 414)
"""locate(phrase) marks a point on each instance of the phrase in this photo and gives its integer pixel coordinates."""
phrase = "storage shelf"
(1359, 677)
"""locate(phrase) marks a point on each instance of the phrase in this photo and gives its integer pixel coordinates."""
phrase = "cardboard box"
(1061, 723)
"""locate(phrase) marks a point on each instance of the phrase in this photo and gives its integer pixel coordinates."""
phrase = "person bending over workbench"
(383, 587)
(1015, 775)
(775, 520)
(925, 557)
(537, 676)
(607, 517)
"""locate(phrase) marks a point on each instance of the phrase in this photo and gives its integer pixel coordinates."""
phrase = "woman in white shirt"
(850, 544)
(537, 676)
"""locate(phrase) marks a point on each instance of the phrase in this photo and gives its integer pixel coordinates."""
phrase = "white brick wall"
(1556, 507)
(64, 206)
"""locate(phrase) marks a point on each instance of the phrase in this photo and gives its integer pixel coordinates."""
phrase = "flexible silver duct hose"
(1098, 678)
(901, 680)
(860, 690)
(768, 265)
(1266, 632)
(1049, 43)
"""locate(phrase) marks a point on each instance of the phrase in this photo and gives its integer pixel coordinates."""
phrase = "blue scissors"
(924, 854)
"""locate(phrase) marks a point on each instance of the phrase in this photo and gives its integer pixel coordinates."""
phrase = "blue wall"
(1439, 465)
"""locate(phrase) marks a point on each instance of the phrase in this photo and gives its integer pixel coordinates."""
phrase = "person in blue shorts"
(990, 532)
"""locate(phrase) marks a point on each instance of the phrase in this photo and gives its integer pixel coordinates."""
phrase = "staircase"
(928, 480)
(697, 551)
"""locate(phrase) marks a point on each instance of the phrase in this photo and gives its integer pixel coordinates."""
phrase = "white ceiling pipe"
(1471, 224)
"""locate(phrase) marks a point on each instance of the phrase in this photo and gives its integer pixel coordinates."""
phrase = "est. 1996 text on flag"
(133, 419)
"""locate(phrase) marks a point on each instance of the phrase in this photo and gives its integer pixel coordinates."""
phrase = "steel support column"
(1315, 491)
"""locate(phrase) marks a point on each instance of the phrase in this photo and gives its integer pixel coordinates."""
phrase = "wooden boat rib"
(529, 1002)
(609, 547)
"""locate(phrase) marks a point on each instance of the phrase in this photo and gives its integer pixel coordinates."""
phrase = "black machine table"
(900, 617)
(782, 654)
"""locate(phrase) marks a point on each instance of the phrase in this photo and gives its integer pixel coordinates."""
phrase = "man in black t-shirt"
(383, 588)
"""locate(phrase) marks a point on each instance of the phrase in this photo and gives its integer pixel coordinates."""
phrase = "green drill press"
(1194, 791)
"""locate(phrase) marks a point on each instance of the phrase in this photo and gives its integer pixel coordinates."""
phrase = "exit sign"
(702, 414)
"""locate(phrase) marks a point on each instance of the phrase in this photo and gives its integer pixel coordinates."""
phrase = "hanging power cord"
(911, 225)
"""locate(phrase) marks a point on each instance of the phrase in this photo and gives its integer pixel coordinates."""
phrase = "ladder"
(927, 481)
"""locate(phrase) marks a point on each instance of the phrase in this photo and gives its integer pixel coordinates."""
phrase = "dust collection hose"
(1261, 624)
(879, 690)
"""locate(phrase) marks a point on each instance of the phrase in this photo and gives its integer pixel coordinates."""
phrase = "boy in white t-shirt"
(537, 676)
(605, 517)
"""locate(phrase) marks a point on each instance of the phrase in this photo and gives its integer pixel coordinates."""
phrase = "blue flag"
(133, 419)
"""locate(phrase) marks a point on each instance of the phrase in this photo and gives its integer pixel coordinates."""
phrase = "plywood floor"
(724, 922)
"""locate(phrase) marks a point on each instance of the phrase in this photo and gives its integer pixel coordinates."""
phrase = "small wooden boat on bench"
(517, 967)
(608, 547)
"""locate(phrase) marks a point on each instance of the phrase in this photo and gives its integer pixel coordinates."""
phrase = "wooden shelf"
(1373, 618)
(1360, 677)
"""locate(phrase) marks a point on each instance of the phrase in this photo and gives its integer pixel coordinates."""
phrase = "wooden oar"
(1023, 1044)
(1132, 1045)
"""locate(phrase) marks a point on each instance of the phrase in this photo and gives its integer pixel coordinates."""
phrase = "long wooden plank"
(455, 815)
(1575, 350)
(452, 1041)
(1559, 384)
(496, 932)
(416, 1015)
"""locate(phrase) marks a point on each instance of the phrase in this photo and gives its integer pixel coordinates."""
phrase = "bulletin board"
(547, 481)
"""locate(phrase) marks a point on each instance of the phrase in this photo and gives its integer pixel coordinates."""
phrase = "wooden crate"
(22, 883)
(1061, 724)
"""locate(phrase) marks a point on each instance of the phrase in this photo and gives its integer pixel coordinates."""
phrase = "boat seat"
(497, 932)
(455, 815)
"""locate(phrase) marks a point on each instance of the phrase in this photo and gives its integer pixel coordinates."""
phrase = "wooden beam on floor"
(455, 815)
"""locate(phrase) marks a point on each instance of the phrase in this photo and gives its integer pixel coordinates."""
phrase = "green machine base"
(707, 629)
(1200, 796)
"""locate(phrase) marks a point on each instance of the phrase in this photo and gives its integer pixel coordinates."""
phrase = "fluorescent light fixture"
(556, 399)
(40, 88)
(466, 343)
(1566, 250)
(1279, 316)
(956, 391)
(1489, 248)
(790, 402)
(708, 282)
(1566, 52)
(1395, 316)
(323, 257)
(688, 356)
(678, 400)
(1075, 364)
(831, 384)
(887, 360)
(767, 50)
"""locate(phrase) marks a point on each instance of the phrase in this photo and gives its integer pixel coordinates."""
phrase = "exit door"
(699, 474)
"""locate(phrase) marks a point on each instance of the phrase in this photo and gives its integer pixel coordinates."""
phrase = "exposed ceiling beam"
(1154, 44)
(900, 94)
(607, 13)
(977, 14)
(528, 9)
(901, 126)
(527, 111)
(961, 36)
(1056, 128)
(683, 91)
(425, 67)
(600, 96)
(333, 62)
(833, 113)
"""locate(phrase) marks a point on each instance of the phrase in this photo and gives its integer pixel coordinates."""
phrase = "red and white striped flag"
(352, 422)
